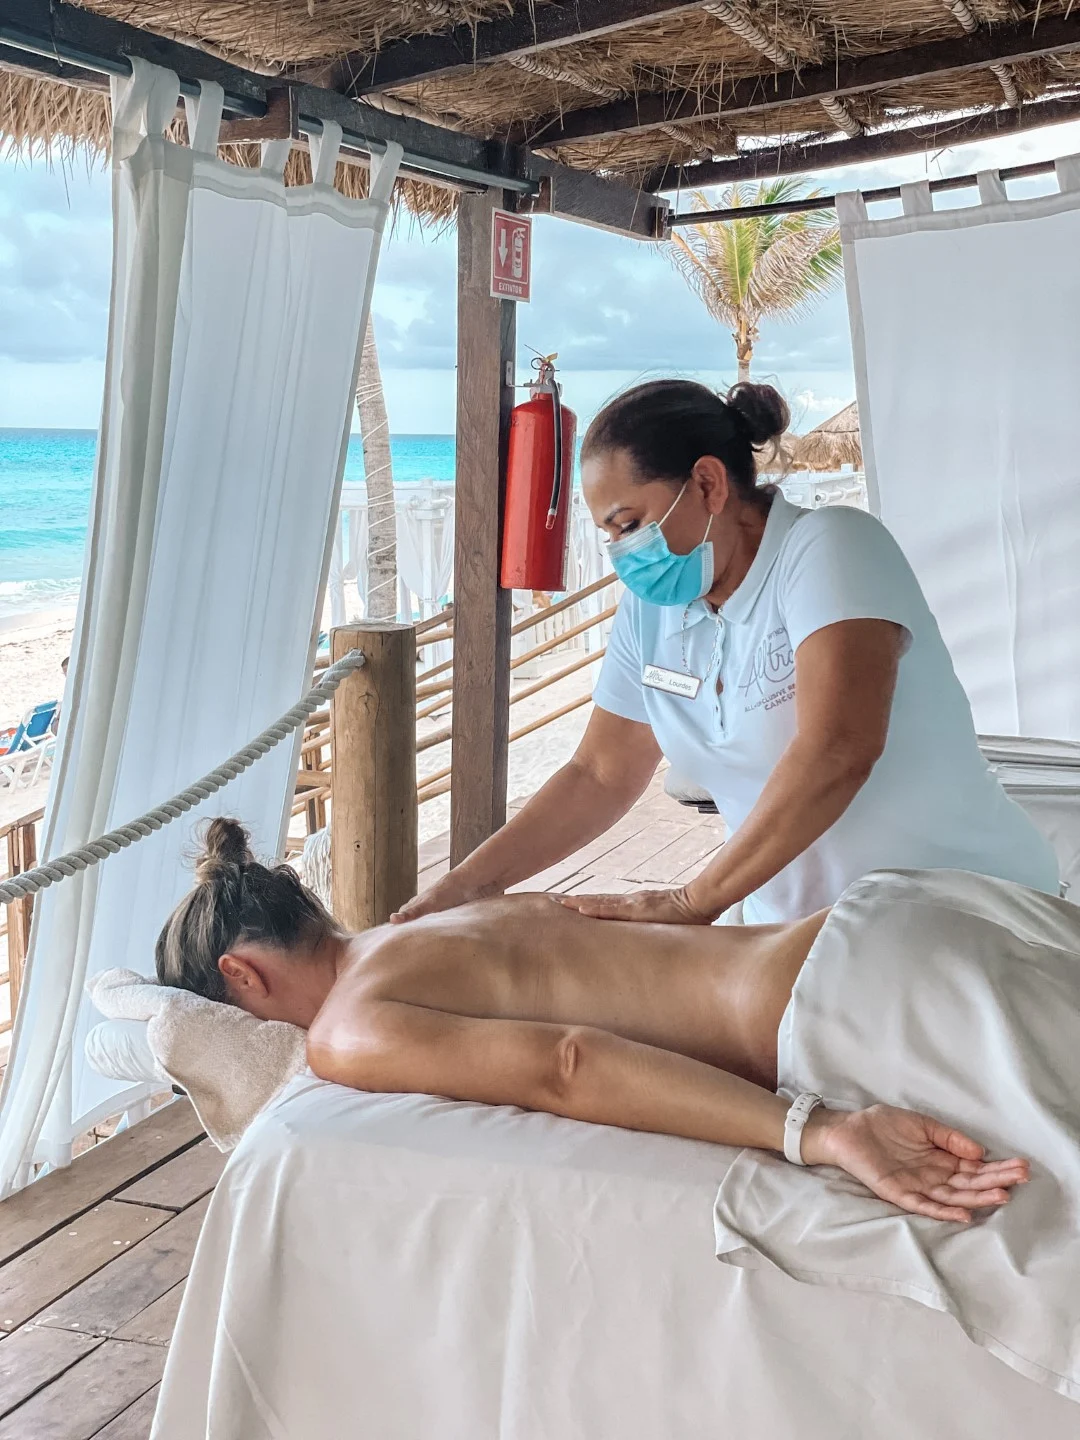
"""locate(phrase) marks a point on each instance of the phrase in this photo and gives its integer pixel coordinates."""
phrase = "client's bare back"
(713, 993)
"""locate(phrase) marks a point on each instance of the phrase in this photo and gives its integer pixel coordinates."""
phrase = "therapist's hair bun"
(762, 410)
(666, 426)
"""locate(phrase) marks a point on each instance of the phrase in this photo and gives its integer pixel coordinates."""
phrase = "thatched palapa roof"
(831, 445)
(657, 92)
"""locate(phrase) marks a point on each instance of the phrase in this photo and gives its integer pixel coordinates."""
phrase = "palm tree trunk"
(744, 338)
(382, 577)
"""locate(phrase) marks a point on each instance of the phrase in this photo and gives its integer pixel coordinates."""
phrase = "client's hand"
(912, 1161)
(657, 907)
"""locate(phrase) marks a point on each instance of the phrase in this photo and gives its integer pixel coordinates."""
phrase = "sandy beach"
(31, 649)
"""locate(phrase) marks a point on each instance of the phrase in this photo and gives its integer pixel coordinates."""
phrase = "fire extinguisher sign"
(511, 256)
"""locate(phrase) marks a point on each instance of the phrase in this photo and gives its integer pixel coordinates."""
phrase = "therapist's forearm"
(807, 792)
(571, 809)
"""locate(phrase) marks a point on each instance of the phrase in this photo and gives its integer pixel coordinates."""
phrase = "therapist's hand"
(655, 907)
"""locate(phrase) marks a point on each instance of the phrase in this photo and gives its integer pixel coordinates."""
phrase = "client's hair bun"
(225, 843)
(762, 410)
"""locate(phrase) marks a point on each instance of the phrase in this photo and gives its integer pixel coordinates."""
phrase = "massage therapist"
(784, 660)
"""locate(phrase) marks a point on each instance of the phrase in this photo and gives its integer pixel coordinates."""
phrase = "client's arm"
(587, 1074)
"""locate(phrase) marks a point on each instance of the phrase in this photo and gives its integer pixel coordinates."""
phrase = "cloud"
(55, 259)
(615, 309)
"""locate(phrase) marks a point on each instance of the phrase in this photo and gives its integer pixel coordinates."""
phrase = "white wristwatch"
(802, 1108)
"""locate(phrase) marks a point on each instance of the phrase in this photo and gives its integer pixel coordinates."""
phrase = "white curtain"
(966, 333)
(236, 315)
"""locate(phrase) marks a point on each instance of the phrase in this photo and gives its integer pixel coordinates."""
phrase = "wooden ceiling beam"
(1027, 40)
(801, 157)
(527, 30)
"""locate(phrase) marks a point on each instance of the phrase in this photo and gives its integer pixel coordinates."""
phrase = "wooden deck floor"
(93, 1258)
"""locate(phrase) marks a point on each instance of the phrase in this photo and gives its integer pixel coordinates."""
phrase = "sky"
(614, 309)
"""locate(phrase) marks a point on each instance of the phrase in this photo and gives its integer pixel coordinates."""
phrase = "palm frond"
(794, 272)
(764, 266)
(707, 280)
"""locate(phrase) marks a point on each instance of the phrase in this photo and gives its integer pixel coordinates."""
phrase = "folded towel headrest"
(230, 1064)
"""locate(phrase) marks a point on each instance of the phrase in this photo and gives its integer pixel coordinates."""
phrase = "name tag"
(672, 682)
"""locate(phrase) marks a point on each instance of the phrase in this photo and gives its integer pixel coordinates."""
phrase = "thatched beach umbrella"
(829, 446)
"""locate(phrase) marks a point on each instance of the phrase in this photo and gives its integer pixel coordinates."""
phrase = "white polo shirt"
(931, 801)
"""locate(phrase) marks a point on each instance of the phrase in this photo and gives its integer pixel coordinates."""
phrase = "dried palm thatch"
(829, 446)
(689, 53)
(49, 120)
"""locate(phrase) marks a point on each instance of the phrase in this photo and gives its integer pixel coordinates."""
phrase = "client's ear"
(242, 977)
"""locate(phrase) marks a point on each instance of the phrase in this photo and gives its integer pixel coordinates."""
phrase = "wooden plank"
(795, 158)
(431, 876)
(134, 1423)
(601, 885)
(113, 1297)
(155, 1324)
(43, 1207)
(89, 1395)
(591, 858)
(524, 30)
(641, 847)
(685, 876)
(37, 1278)
(482, 610)
(432, 851)
(688, 850)
(374, 816)
(180, 1182)
(34, 1356)
(1024, 40)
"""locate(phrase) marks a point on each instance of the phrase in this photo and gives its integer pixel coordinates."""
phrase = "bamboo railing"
(437, 681)
(18, 852)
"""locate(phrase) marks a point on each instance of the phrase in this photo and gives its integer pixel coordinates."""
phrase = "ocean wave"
(22, 597)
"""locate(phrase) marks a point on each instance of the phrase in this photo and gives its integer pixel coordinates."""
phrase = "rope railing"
(42, 876)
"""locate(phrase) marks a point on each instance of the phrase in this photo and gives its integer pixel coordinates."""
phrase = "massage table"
(392, 1267)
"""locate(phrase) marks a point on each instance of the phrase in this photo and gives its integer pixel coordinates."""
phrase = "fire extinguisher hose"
(556, 480)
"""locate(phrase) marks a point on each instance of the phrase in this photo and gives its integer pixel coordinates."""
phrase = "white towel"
(958, 996)
(230, 1064)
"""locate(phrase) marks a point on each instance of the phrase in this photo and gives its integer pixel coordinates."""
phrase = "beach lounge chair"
(33, 728)
(31, 749)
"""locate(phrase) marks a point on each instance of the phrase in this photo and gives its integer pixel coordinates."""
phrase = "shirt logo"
(771, 668)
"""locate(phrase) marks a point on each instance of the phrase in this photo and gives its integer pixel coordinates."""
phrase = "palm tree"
(381, 601)
(771, 267)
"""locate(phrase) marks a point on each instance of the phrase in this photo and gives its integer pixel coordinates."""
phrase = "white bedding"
(959, 996)
(407, 1268)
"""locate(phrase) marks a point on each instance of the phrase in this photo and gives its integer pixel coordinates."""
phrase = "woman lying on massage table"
(521, 1001)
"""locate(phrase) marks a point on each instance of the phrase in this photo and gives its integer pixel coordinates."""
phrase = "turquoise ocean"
(45, 481)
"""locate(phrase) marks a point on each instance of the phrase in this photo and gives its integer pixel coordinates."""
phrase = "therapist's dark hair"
(666, 427)
(235, 900)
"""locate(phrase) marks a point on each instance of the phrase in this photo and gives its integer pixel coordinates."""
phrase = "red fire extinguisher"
(539, 487)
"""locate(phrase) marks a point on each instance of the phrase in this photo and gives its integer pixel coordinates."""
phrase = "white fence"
(425, 542)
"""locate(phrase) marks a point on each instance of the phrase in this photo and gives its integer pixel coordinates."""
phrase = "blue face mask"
(645, 564)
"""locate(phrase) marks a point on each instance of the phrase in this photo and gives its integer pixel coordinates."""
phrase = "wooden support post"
(22, 856)
(373, 807)
(485, 397)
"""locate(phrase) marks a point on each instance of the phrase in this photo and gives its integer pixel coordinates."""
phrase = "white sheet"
(237, 308)
(406, 1268)
(958, 996)
(967, 361)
